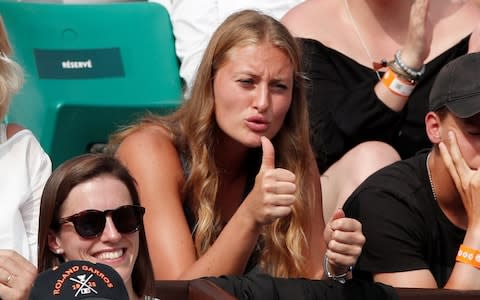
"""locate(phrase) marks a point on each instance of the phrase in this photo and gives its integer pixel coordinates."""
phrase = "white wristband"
(396, 84)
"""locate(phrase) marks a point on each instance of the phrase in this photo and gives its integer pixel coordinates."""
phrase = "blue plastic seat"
(90, 68)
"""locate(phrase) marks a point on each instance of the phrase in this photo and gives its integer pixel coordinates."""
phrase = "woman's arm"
(348, 106)
(39, 169)
(341, 239)
(154, 162)
(467, 181)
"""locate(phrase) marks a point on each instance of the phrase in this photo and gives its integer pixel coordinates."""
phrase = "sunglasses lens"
(89, 224)
(128, 219)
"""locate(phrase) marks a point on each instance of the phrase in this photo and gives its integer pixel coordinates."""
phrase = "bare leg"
(345, 175)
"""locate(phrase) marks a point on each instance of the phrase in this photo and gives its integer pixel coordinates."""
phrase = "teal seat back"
(89, 69)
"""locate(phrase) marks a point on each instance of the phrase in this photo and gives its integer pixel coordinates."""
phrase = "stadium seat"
(89, 69)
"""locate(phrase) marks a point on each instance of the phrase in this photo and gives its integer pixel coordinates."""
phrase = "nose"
(110, 233)
(262, 99)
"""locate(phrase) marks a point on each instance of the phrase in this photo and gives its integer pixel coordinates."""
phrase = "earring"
(59, 251)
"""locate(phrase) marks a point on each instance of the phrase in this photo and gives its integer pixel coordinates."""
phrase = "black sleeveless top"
(344, 110)
(252, 264)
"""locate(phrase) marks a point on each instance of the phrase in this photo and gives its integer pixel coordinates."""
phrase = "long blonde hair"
(11, 74)
(194, 131)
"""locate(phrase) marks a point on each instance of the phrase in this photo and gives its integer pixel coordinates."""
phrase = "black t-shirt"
(403, 224)
(344, 110)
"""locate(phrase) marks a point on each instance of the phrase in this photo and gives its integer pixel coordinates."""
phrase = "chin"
(125, 273)
(253, 143)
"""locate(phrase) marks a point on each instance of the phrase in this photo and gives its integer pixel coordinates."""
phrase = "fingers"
(279, 181)
(417, 44)
(5, 277)
(346, 241)
(268, 154)
(16, 275)
(453, 160)
(460, 164)
(345, 224)
(337, 214)
(274, 212)
(447, 160)
(421, 8)
(14, 263)
(274, 190)
(338, 221)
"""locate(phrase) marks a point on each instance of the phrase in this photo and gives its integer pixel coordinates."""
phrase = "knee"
(375, 154)
(356, 165)
(369, 157)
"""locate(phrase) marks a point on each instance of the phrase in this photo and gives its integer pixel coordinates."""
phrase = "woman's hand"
(17, 275)
(273, 195)
(419, 36)
(344, 240)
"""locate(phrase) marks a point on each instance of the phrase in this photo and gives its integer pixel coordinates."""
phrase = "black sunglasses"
(91, 223)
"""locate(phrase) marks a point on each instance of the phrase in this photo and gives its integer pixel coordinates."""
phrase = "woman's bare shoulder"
(147, 134)
(312, 17)
(150, 140)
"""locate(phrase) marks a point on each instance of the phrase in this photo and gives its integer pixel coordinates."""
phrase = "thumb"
(337, 214)
(268, 156)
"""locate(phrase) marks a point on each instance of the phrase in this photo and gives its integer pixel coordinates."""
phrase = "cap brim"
(465, 108)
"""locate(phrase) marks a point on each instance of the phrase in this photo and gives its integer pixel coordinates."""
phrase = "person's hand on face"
(466, 180)
(344, 240)
(419, 36)
(273, 195)
(17, 275)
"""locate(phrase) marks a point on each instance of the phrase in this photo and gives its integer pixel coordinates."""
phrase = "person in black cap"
(421, 216)
(78, 279)
(90, 210)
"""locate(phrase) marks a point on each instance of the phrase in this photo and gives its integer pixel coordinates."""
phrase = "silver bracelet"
(342, 278)
(413, 73)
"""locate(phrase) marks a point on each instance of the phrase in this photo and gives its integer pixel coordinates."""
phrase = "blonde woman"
(25, 168)
(229, 180)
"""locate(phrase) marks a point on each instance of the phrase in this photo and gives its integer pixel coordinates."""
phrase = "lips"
(257, 123)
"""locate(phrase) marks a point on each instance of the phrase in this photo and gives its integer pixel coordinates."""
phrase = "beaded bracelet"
(415, 74)
(468, 256)
(400, 72)
(396, 84)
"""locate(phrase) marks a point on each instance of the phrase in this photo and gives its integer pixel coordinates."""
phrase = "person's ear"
(54, 244)
(434, 127)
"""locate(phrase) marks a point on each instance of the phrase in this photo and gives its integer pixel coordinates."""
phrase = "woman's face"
(118, 250)
(253, 92)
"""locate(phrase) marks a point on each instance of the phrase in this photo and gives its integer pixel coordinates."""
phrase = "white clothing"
(194, 22)
(25, 169)
(166, 3)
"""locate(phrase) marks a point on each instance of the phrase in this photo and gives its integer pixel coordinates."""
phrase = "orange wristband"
(396, 84)
(468, 256)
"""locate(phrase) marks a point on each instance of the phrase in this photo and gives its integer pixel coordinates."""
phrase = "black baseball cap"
(79, 279)
(457, 86)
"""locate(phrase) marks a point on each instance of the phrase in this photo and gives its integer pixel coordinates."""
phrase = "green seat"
(90, 68)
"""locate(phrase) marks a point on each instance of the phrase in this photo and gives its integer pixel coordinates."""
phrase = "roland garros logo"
(82, 283)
